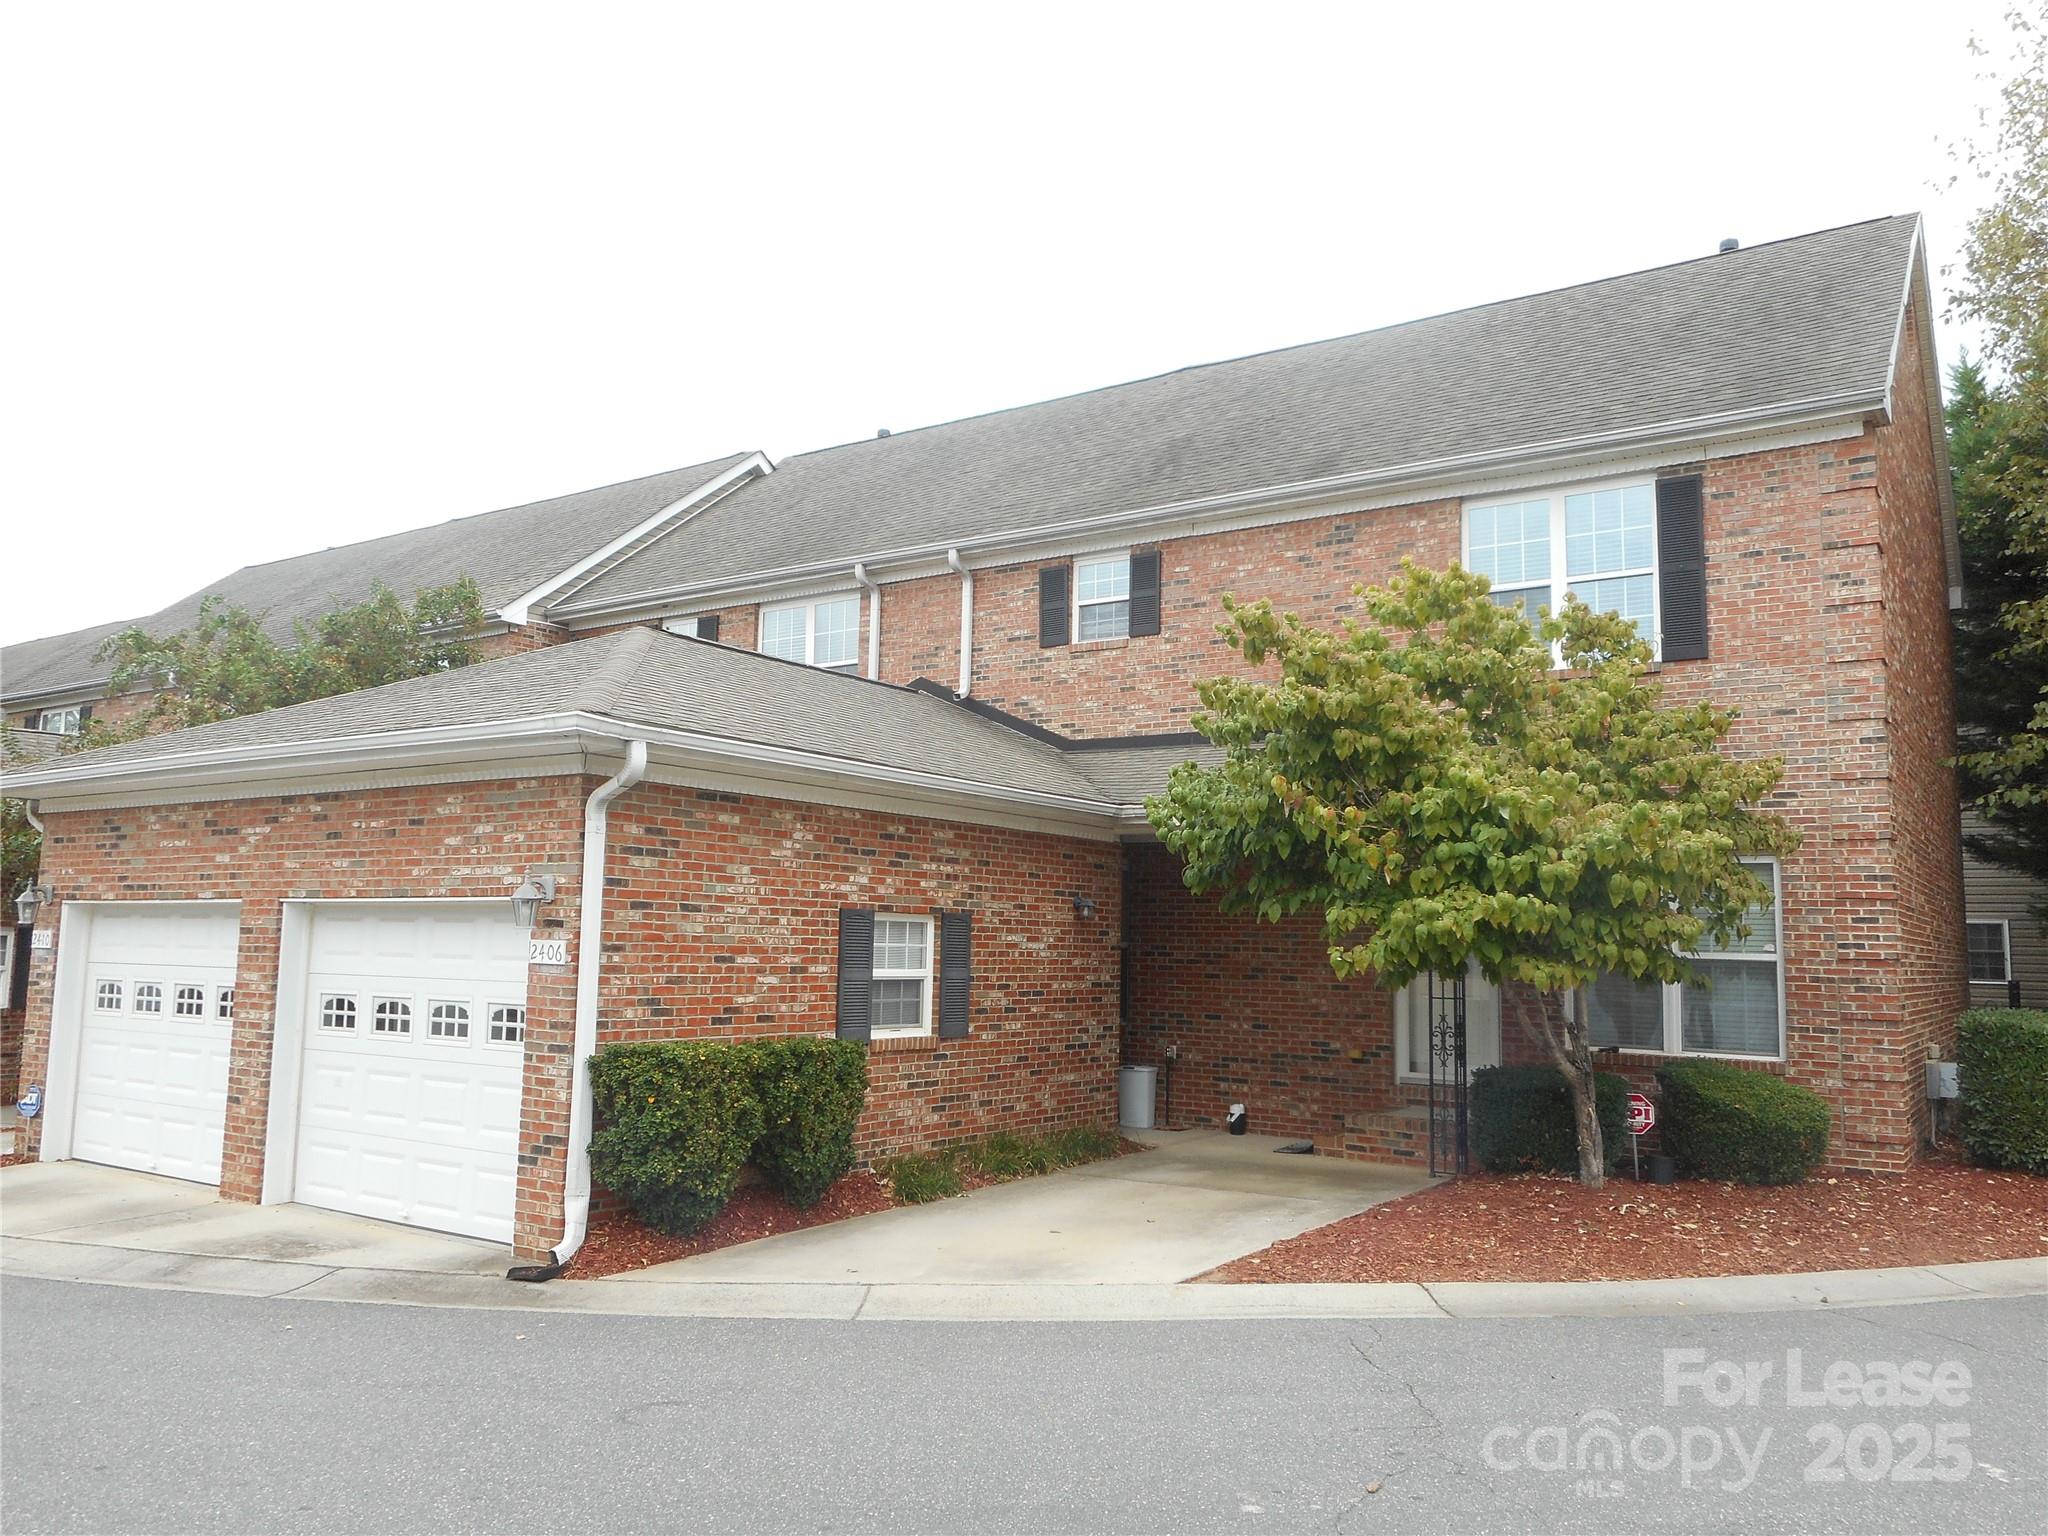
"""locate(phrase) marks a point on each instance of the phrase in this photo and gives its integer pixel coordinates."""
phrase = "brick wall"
(722, 921)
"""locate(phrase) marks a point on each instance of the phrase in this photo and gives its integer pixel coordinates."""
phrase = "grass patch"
(918, 1177)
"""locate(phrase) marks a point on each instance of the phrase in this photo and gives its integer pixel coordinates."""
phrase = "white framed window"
(824, 632)
(507, 1024)
(224, 1004)
(447, 1021)
(391, 1016)
(1102, 597)
(1598, 541)
(67, 721)
(683, 626)
(1740, 1013)
(903, 976)
(337, 1012)
(189, 1002)
(149, 997)
(1990, 944)
(107, 996)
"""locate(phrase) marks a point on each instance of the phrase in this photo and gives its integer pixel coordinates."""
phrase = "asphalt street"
(141, 1410)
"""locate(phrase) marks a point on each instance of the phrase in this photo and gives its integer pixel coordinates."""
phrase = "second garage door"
(415, 1037)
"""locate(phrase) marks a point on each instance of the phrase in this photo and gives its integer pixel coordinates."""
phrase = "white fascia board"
(520, 609)
(1707, 436)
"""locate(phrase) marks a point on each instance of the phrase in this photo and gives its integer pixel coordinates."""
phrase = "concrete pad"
(41, 1198)
(39, 1259)
(1195, 1201)
(1997, 1277)
(125, 1211)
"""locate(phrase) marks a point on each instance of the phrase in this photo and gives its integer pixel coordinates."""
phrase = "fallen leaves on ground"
(1535, 1227)
(617, 1241)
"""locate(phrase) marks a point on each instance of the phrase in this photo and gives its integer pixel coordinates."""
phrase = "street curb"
(34, 1258)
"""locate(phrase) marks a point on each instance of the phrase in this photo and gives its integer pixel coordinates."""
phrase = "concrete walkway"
(1197, 1199)
(74, 1221)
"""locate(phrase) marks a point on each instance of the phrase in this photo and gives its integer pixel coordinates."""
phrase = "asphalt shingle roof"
(508, 552)
(645, 677)
(1810, 319)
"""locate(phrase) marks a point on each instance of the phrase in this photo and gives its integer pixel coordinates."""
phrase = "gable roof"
(1770, 333)
(637, 680)
(508, 552)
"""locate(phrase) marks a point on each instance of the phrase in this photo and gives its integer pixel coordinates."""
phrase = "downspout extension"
(589, 956)
(966, 620)
(861, 577)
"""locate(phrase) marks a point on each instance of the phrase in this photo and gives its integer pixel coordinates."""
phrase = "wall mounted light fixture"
(526, 901)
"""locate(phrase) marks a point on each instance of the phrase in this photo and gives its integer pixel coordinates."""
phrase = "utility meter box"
(1942, 1080)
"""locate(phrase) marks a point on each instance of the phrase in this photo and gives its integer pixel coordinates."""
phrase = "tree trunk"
(1568, 1046)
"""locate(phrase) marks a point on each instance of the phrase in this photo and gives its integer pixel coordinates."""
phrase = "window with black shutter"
(1682, 567)
(856, 973)
(956, 970)
(1052, 605)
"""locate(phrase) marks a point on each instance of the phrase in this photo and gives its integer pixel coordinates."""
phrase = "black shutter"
(1145, 592)
(707, 626)
(1682, 566)
(1052, 604)
(956, 969)
(17, 983)
(856, 973)
(84, 715)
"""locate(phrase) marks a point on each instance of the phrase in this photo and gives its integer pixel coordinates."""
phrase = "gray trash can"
(1136, 1086)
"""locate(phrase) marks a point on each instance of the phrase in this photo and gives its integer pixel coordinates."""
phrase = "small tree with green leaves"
(225, 664)
(1440, 793)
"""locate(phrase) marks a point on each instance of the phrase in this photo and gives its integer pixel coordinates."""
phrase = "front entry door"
(1411, 1026)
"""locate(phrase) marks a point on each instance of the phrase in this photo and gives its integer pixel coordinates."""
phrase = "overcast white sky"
(290, 275)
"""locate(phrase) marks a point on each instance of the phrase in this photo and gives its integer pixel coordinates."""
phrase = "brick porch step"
(1382, 1136)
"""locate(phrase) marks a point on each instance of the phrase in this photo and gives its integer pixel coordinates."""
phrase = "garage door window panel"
(448, 1022)
(391, 1016)
(109, 997)
(149, 997)
(337, 1013)
(508, 1024)
(189, 1003)
(224, 1004)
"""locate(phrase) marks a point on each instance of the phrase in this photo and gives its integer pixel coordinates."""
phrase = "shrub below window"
(2002, 1056)
(1722, 1122)
(1520, 1119)
(676, 1122)
(812, 1091)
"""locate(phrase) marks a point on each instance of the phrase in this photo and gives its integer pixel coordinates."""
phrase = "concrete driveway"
(106, 1212)
(1195, 1200)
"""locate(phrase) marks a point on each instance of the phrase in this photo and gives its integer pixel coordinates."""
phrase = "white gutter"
(589, 958)
(966, 620)
(860, 576)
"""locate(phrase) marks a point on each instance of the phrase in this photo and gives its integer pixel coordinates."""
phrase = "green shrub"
(1722, 1122)
(2003, 1057)
(812, 1091)
(676, 1122)
(1520, 1119)
(918, 1177)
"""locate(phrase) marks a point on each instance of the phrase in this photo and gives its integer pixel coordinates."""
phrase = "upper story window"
(1741, 1012)
(700, 626)
(1599, 543)
(68, 721)
(822, 633)
(1102, 598)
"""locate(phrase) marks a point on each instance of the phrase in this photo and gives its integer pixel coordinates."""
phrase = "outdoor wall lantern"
(1084, 906)
(533, 890)
(30, 900)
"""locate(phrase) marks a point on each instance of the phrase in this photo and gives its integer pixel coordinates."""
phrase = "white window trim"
(1559, 582)
(74, 712)
(809, 607)
(468, 1021)
(161, 997)
(685, 625)
(179, 1000)
(878, 973)
(377, 1030)
(2004, 948)
(224, 1005)
(489, 1024)
(1672, 1004)
(1076, 603)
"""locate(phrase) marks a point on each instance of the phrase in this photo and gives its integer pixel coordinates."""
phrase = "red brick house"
(902, 794)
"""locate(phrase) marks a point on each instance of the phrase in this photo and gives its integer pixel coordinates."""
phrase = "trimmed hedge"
(812, 1092)
(1721, 1122)
(1520, 1119)
(2002, 1054)
(678, 1119)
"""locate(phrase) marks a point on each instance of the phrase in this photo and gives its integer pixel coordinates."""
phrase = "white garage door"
(415, 1036)
(153, 1047)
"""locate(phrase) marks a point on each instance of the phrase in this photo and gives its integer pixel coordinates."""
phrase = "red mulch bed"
(1543, 1227)
(618, 1242)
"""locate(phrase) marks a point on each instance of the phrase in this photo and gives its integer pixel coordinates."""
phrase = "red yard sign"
(1642, 1113)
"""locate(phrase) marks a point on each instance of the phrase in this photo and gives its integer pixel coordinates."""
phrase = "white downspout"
(966, 620)
(589, 956)
(860, 575)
